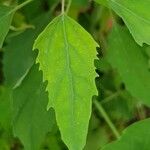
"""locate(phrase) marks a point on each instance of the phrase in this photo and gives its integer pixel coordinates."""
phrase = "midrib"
(69, 73)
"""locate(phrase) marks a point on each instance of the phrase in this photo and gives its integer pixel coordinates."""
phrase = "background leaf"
(31, 120)
(136, 16)
(5, 108)
(135, 137)
(5, 21)
(103, 2)
(130, 61)
(14, 71)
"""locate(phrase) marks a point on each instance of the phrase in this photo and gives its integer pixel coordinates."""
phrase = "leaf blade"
(135, 15)
(5, 107)
(68, 76)
(5, 21)
(134, 137)
(131, 63)
(14, 71)
(31, 120)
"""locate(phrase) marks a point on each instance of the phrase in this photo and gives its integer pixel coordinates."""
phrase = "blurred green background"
(17, 57)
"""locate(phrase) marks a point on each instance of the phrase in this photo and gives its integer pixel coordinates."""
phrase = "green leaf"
(31, 120)
(37, 8)
(136, 16)
(103, 2)
(3, 144)
(130, 61)
(5, 107)
(66, 57)
(80, 3)
(6, 15)
(14, 71)
(135, 137)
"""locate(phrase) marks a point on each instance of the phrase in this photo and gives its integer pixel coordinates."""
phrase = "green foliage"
(136, 16)
(70, 60)
(103, 2)
(12, 51)
(31, 120)
(6, 15)
(132, 137)
(5, 107)
(130, 60)
(48, 97)
(80, 3)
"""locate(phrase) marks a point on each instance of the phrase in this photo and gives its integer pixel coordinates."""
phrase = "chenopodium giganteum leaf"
(136, 16)
(134, 137)
(6, 15)
(66, 57)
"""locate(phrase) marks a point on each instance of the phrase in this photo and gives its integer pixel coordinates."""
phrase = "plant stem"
(63, 6)
(111, 97)
(106, 117)
(54, 6)
(21, 5)
(68, 6)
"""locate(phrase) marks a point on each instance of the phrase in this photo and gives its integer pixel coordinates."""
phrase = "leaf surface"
(135, 137)
(5, 107)
(31, 120)
(66, 57)
(136, 16)
(103, 2)
(131, 63)
(6, 15)
(22, 53)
